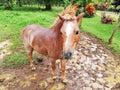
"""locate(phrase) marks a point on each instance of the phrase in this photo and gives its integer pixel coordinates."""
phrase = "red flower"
(90, 9)
(105, 6)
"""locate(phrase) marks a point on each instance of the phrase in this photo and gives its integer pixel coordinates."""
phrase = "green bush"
(1, 4)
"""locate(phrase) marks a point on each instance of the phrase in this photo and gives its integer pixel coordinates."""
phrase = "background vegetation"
(9, 4)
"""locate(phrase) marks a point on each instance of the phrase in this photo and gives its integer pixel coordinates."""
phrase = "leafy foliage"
(8, 4)
(116, 3)
(96, 5)
(90, 9)
(47, 3)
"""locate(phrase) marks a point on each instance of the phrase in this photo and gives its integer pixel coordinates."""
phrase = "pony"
(58, 42)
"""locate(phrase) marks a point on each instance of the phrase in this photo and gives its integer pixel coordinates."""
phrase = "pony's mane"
(68, 13)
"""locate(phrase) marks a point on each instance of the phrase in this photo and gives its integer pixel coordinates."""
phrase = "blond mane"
(68, 13)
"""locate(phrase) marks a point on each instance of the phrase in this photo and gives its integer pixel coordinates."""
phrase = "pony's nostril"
(67, 55)
(70, 54)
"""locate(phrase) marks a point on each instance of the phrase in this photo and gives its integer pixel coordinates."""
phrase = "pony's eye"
(77, 32)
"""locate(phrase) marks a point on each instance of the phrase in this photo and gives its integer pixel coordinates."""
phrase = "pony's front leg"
(53, 63)
(63, 67)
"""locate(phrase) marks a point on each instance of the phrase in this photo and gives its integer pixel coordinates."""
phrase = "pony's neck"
(57, 26)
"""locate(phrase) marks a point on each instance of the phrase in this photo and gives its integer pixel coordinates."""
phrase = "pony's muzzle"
(67, 55)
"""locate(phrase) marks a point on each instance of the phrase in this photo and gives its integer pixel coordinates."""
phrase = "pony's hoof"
(33, 68)
(65, 81)
(55, 77)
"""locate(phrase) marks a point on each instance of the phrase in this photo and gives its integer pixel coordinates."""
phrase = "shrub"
(90, 10)
(106, 19)
(96, 5)
(1, 4)
(105, 6)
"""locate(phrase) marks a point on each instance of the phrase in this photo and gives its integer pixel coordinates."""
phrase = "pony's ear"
(79, 17)
(60, 17)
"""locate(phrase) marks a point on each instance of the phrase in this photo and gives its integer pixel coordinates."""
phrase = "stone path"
(4, 49)
(93, 67)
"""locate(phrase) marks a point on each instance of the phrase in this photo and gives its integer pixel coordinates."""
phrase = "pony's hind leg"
(29, 54)
(29, 50)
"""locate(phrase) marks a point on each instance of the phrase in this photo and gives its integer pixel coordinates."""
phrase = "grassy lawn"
(12, 23)
(102, 31)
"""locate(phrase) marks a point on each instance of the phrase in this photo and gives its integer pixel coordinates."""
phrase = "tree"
(19, 2)
(48, 4)
(81, 3)
(116, 3)
(8, 4)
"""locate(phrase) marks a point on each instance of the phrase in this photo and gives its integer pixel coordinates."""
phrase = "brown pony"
(57, 42)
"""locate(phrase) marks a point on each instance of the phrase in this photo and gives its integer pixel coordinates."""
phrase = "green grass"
(12, 23)
(102, 31)
(15, 60)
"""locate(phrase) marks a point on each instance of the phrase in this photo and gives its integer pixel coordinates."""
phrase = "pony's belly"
(41, 50)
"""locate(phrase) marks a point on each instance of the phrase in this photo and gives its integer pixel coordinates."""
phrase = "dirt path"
(4, 49)
(92, 68)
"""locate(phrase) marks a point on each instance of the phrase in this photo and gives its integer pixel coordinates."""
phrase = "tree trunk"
(115, 30)
(48, 6)
(8, 5)
(19, 3)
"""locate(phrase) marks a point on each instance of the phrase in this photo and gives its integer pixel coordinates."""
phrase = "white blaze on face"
(69, 30)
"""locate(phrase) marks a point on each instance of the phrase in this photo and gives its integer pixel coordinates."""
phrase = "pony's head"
(70, 33)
